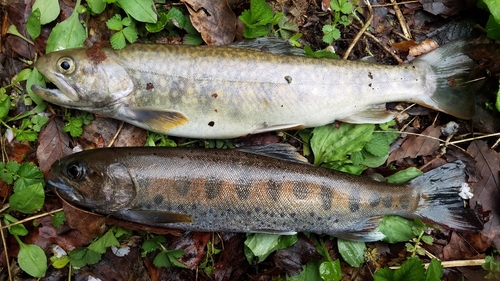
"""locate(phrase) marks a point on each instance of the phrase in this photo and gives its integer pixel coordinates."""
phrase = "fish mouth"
(55, 95)
(68, 193)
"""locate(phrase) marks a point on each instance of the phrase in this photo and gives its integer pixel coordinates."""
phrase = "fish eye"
(66, 65)
(76, 171)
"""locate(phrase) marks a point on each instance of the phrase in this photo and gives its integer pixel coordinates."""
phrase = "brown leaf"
(53, 144)
(446, 7)
(213, 19)
(404, 45)
(418, 145)
(486, 191)
(131, 135)
(463, 247)
(293, 258)
(423, 48)
(193, 244)
(232, 264)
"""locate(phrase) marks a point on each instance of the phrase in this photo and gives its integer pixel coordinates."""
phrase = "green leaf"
(155, 139)
(67, 34)
(493, 28)
(319, 53)
(404, 175)
(28, 174)
(49, 10)
(330, 271)
(263, 244)
(28, 200)
(494, 8)
(59, 262)
(97, 6)
(83, 256)
(310, 271)
(427, 239)
(130, 34)
(378, 145)
(384, 274)
(331, 33)
(396, 229)
(4, 106)
(115, 23)
(353, 252)
(175, 15)
(33, 25)
(411, 270)
(169, 258)
(32, 260)
(497, 104)
(434, 271)
(74, 125)
(159, 25)
(255, 32)
(104, 242)
(117, 41)
(58, 219)
(36, 78)
(153, 244)
(331, 144)
(259, 14)
(17, 229)
(23, 75)
(140, 10)
(192, 39)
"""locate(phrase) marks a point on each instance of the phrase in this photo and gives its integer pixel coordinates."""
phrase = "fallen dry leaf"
(214, 20)
(463, 247)
(53, 144)
(193, 244)
(232, 264)
(291, 259)
(418, 145)
(423, 48)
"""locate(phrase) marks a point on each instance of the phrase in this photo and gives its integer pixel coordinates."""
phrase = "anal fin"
(278, 128)
(375, 114)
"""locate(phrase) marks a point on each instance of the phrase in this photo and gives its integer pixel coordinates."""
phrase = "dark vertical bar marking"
(273, 189)
(354, 200)
(212, 187)
(243, 189)
(300, 190)
(183, 185)
(326, 197)
(387, 201)
(405, 202)
(374, 199)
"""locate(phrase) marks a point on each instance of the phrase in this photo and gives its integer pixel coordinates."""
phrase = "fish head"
(83, 82)
(95, 181)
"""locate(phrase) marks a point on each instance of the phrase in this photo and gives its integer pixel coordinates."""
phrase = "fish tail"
(448, 80)
(440, 198)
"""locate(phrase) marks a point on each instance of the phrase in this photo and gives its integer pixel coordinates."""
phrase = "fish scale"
(240, 191)
(225, 92)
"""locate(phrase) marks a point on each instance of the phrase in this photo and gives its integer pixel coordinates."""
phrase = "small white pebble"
(77, 148)
(92, 278)
(465, 191)
(120, 252)
(58, 251)
(9, 135)
(449, 129)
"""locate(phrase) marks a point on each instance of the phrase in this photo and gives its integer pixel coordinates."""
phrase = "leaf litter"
(231, 263)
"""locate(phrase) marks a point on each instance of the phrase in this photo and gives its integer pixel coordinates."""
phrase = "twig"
(6, 252)
(361, 31)
(371, 36)
(458, 263)
(400, 3)
(475, 138)
(401, 18)
(116, 134)
(31, 218)
(420, 135)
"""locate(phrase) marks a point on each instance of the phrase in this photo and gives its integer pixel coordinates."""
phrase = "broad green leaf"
(259, 14)
(17, 229)
(384, 274)
(140, 10)
(74, 125)
(404, 175)
(434, 271)
(12, 29)
(33, 25)
(117, 42)
(330, 271)
(175, 15)
(23, 75)
(373, 161)
(28, 174)
(4, 106)
(58, 219)
(130, 34)
(411, 270)
(97, 6)
(36, 78)
(378, 145)
(32, 260)
(493, 28)
(255, 32)
(104, 242)
(67, 34)
(169, 258)
(159, 25)
(49, 10)
(59, 262)
(353, 252)
(427, 239)
(494, 8)
(263, 244)
(396, 229)
(153, 244)
(83, 256)
(331, 144)
(192, 39)
(319, 54)
(29, 199)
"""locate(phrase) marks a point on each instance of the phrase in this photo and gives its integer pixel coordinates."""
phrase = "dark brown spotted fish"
(242, 190)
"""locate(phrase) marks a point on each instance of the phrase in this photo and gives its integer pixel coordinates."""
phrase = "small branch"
(7, 260)
(361, 31)
(116, 134)
(31, 218)
(400, 3)
(401, 18)
(458, 263)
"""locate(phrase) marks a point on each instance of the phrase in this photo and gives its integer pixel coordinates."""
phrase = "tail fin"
(450, 70)
(440, 200)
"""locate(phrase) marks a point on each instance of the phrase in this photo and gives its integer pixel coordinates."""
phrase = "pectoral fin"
(154, 216)
(375, 114)
(279, 127)
(157, 120)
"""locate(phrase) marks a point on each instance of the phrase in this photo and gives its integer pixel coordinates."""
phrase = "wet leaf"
(17, 229)
(32, 260)
(33, 25)
(49, 10)
(330, 271)
(396, 229)
(353, 252)
(104, 242)
(67, 34)
(404, 175)
(53, 144)
(418, 145)
(140, 10)
(28, 199)
(434, 271)
(262, 245)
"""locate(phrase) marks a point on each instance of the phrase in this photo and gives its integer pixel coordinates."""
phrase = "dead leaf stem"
(31, 218)
(390, 4)
(457, 263)
(6, 251)
(402, 20)
(116, 134)
(361, 31)
(389, 51)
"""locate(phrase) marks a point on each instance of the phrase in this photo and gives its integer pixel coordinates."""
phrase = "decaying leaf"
(423, 48)
(418, 145)
(232, 264)
(53, 144)
(214, 20)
